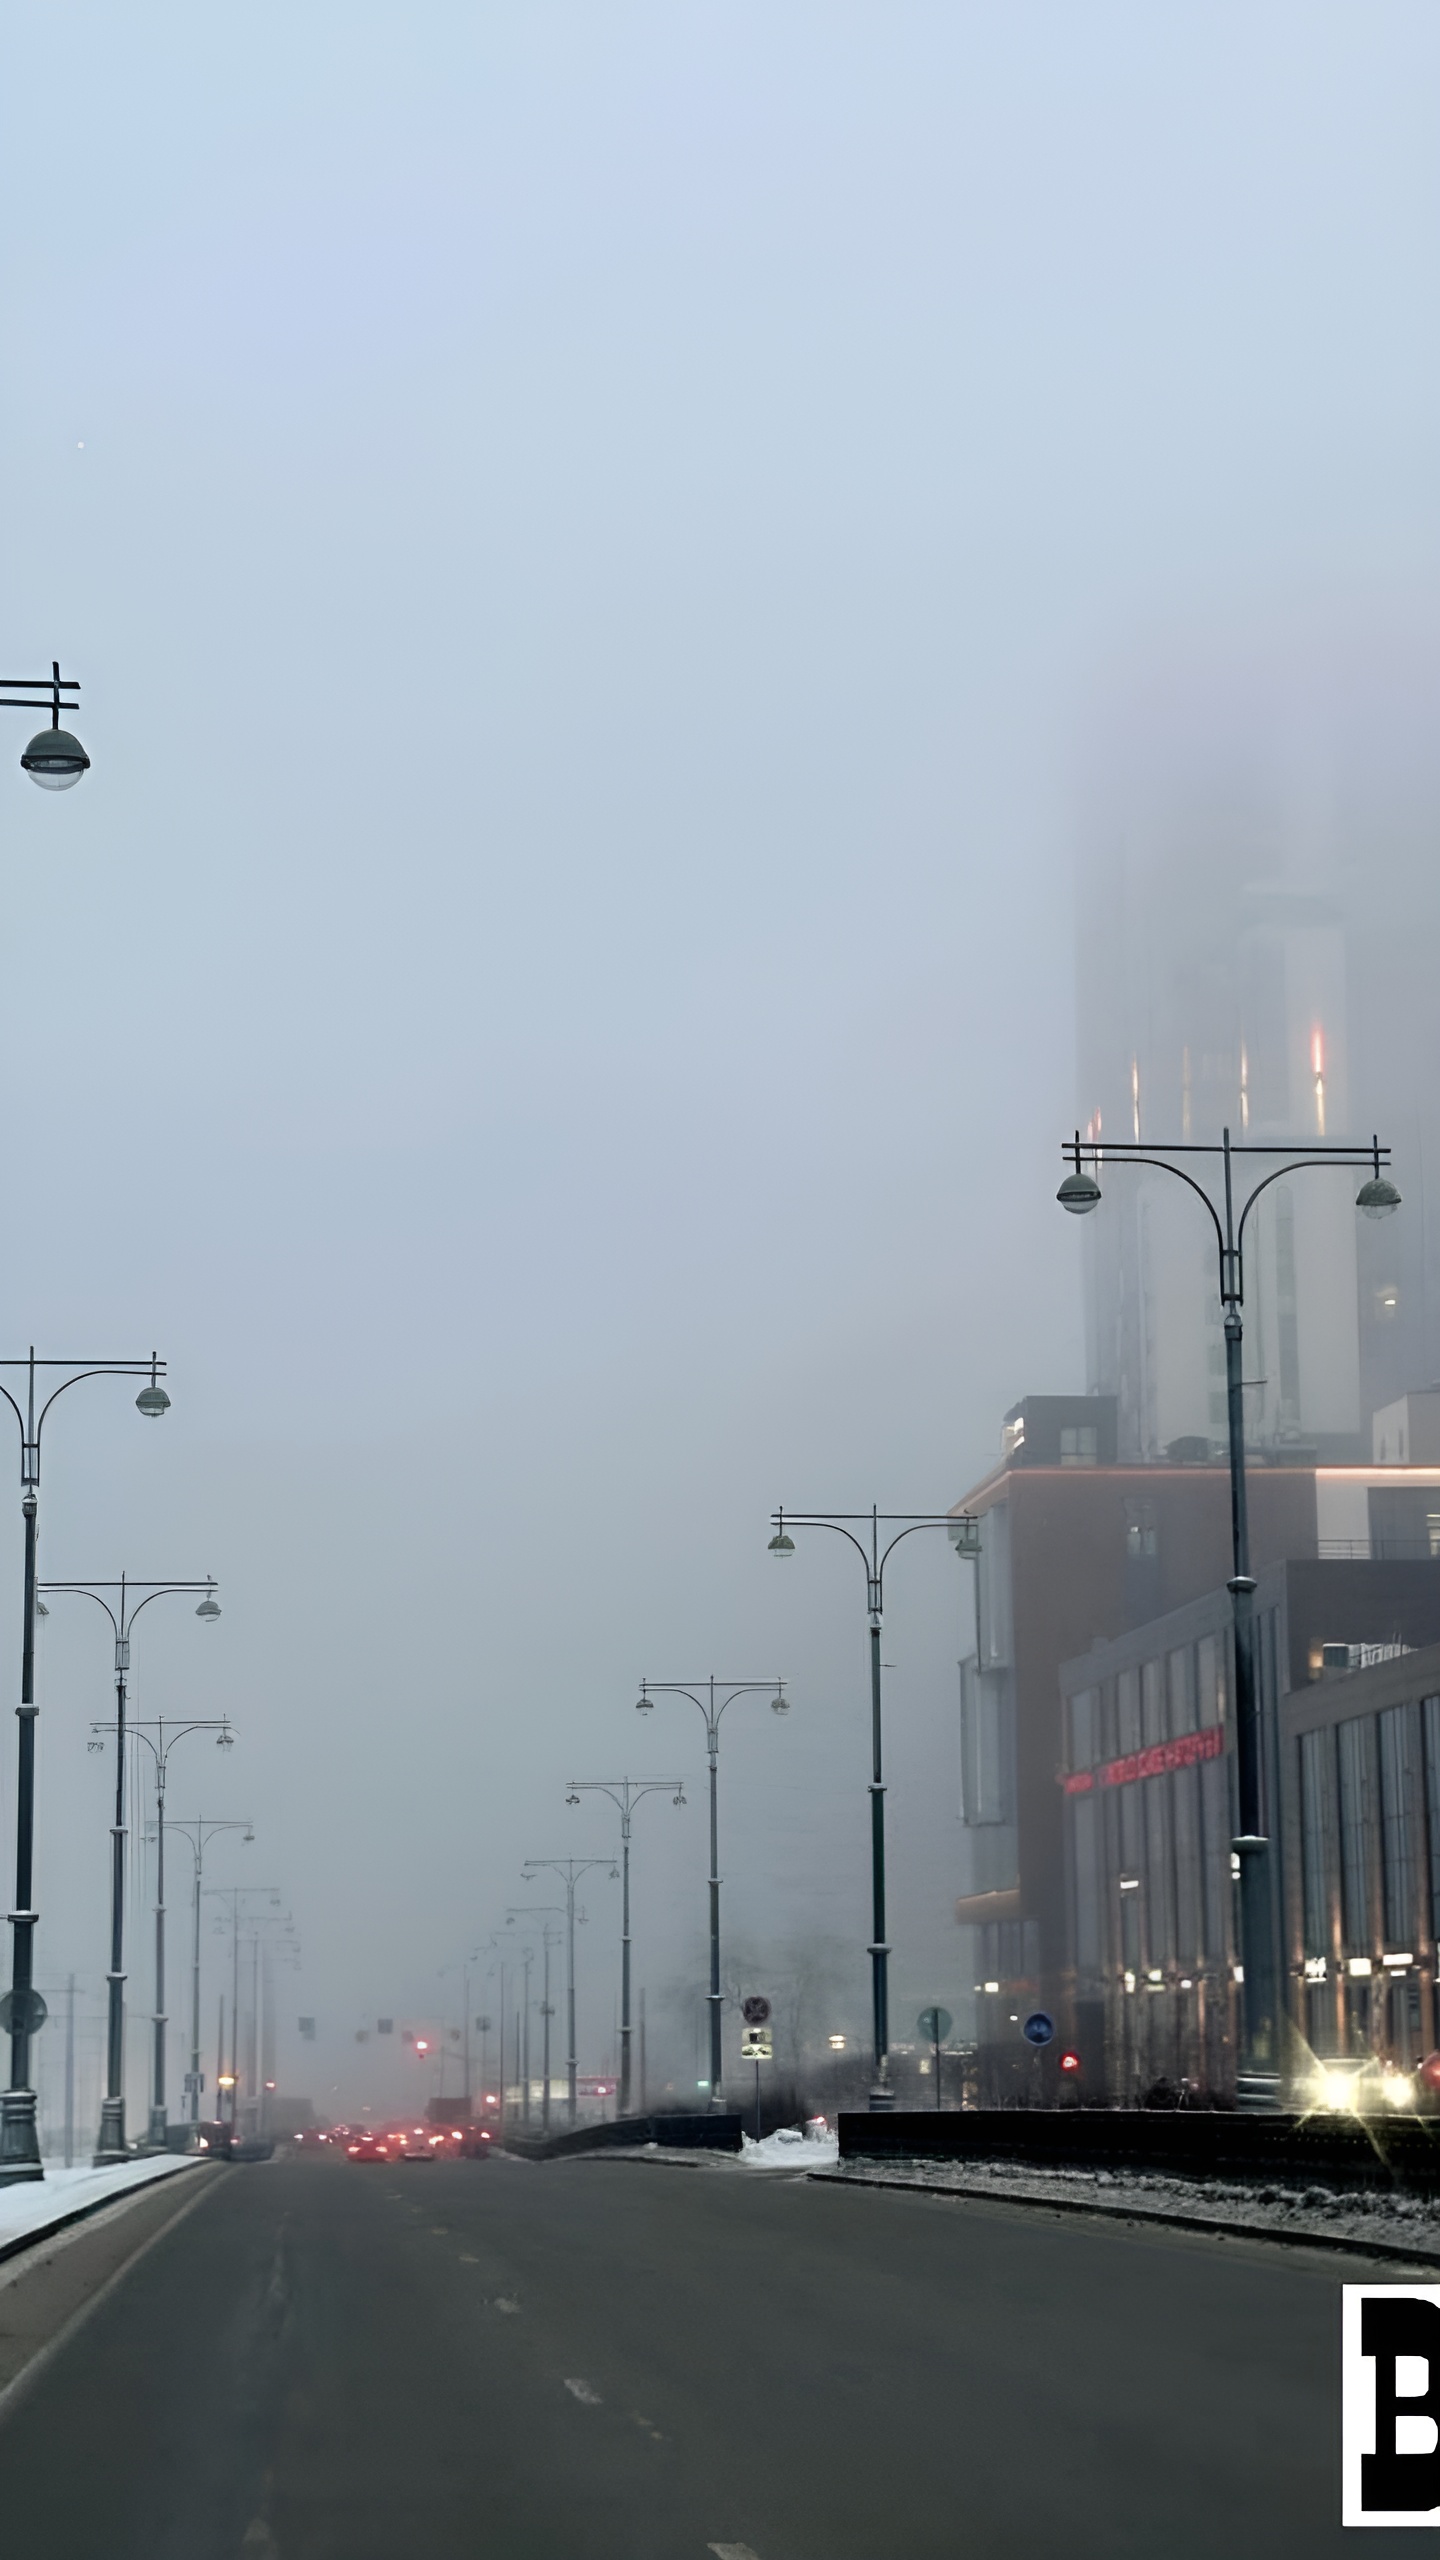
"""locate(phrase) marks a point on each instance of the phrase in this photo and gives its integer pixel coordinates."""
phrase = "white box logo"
(1390, 2405)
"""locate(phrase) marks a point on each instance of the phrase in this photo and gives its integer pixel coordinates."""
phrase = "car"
(367, 2146)
(420, 2142)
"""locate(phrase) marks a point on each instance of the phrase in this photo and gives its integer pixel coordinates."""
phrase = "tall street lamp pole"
(548, 1938)
(122, 1613)
(19, 2143)
(705, 1694)
(1257, 2083)
(965, 1534)
(569, 1870)
(152, 1734)
(625, 1794)
(200, 1833)
(235, 1894)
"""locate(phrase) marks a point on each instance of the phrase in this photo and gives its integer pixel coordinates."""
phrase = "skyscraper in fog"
(1257, 923)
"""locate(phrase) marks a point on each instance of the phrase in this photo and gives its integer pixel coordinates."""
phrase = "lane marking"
(591, 2400)
(503, 2302)
(732, 2551)
(468, 2262)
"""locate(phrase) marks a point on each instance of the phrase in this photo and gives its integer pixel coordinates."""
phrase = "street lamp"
(626, 1794)
(19, 2143)
(703, 1694)
(235, 1894)
(54, 758)
(965, 1533)
(199, 1833)
(122, 1614)
(160, 1750)
(548, 1938)
(569, 1870)
(1257, 2081)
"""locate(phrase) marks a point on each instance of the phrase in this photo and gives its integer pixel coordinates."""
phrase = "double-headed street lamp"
(570, 1871)
(200, 1833)
(705, 1694)
(548, 1938)
(122, 1613)
(625, 1794)
(54, 758)
(152, 1734)
(1257, 2083)
(965, 1533)
(19, 2143)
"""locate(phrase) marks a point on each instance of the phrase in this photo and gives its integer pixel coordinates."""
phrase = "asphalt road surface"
(602, 2360)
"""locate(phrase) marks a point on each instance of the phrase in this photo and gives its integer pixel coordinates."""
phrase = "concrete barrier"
(1285, 2150)
(681, 2133)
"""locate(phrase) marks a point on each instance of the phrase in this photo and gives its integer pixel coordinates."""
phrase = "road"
(602, 2360)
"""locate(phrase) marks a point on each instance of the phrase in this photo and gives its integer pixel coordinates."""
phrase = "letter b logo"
(1391, 2414)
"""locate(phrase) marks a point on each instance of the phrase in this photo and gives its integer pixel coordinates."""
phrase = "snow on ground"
(1381, 2217)
(35, 2207)
(812, 2146)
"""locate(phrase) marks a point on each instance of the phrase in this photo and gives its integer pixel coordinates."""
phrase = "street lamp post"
(235, 1894)
(704, 1695)
(625, 1794)
(548, 1938)
(874, 1558)
(122, 1614)
(54, 758)
(1257, 2082)
(199, 1833)
(569, 1870)
(152, 1734)
(19, 2143)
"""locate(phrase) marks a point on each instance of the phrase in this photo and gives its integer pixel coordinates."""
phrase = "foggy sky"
(592, 538)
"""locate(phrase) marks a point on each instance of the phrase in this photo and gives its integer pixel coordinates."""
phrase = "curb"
(1215, 2227)
(82, 2212)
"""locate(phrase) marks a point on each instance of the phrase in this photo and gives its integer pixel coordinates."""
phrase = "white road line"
(502, 2301)
(582, 2391)
(732, 2551)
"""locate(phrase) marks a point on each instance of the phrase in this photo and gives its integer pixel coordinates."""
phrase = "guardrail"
(1346, 2151)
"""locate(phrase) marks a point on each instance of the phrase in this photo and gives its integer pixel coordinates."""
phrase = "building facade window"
(1398, 1811)
(1353, 1740)
(1430, 1723)
(1179, 1670)
(1080, 1446)
(1317, 1832)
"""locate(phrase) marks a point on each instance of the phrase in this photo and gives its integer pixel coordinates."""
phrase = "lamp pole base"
(111, 2145)
(19, 2139)
(159, 2130)
(882, 2098)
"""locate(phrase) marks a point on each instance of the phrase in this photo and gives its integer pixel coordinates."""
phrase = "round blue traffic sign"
(1038, 2028)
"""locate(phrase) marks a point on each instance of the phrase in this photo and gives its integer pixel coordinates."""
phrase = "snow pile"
(813, 2146)
(35, 2206)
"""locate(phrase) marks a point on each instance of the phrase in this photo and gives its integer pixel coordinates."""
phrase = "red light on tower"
(1070, 2065)
(422, 2044)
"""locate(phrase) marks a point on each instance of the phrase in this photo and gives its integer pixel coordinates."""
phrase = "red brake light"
(1070, 2062)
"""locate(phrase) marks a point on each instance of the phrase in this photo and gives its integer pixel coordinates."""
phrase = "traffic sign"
(22, 2012)
(755, 2010)
(757, 2045)
(934, 2025)
(194, 2084)
(1038, 2028)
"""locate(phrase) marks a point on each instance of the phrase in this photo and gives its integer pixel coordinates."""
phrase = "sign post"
(757, 2044)
(935, 2025)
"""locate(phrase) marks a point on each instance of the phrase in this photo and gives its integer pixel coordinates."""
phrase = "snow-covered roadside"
(790, 2148)
(27, 2212)
(1389, 2224)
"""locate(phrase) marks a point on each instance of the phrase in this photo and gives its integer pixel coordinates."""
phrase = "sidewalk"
(27, 2212)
